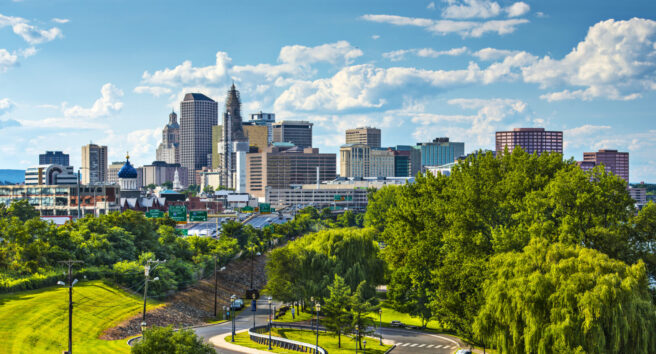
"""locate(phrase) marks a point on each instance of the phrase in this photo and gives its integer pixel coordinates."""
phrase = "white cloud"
(31, 34)
(517, 9)
(494, 54)
(375, 36)
(6, 105)
(27, 52)
(106, 105)
(9, 123)
(616, 60)
(398, 55)
(443, 27)
(185, 73)
(153, 90)
(585, 131)
(7, 60)
(431, 5)
(338, 52)
(63, 123)
(471, 9)
(61, 20)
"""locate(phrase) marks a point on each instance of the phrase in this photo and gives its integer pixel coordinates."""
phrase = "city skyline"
(460, 69)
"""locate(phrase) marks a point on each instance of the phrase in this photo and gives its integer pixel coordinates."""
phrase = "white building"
(50, 175)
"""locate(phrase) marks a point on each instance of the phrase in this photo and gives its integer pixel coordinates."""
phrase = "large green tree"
(558, 298)
(336, 315)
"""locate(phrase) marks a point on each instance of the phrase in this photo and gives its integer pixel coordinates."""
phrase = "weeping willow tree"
(566, 299)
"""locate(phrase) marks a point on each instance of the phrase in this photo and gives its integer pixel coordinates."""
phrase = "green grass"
(300, 316)
(37, 321)
(390, 315)
(327, 341)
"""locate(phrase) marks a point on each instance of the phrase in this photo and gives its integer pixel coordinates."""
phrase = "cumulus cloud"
(6, 105)
(517, 9)
(493, 53)
(153, 90)
(443, 27)
(616, 60)
(339, 52)
(466, 9)
(375, 36)
(185, 73)
(431, 5)
(106, 105)
(398, 55)
(31, 34)
(60, 20)
(7, 60)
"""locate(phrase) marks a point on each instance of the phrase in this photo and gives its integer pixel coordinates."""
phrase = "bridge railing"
(259, 335)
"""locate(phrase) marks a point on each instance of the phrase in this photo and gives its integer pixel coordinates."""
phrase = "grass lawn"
(327, 341)
(302, 316)
(37, 321)
(390, 315)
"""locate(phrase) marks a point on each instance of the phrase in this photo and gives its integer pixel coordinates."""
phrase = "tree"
(208, 189)
(151, 187)
(361, 306)
(21, 209)
(167, 185)
(337, 317)
(380, 202)
(558, 298)
(166, 340)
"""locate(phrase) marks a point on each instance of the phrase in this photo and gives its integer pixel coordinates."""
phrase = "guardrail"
(257, 334)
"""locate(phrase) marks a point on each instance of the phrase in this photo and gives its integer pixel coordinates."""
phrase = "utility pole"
(147, 274)
(216, 277)
(70, 264)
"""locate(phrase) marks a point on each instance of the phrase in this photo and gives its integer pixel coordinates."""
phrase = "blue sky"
(110, 71)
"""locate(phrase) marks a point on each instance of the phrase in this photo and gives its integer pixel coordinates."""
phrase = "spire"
(127, 156)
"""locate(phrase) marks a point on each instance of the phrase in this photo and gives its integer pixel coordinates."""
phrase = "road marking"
(429, 346)
(414, 345)
(404, 344)
(438, 346)
(421, 346)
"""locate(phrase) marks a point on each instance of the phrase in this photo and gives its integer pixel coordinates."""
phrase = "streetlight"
(380, 324)
(364, 348)
(357, 335)
(269, 300)
(232, 310)
(254, 308)
(143, 328)
(318, 308)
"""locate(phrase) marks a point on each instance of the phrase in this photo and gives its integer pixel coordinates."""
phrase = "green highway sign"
(154, 213)
(339, 198)
(265, 208)
(182, 232)
(178, 213)
(198, 215)
(247, 209)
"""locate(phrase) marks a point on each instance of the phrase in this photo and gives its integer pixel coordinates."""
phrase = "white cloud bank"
(106, 105)
(31, 34)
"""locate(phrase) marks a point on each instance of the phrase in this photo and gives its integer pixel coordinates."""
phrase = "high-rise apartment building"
(54, 158)
(364, 135)
(94, 164)
(198, 113)
(440, 151)
(282, 166)
(265, 119)
(613, 161)
(169, 150)
(531, 140)
(297, 132)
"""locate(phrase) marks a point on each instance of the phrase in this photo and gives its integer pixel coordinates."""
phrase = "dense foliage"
(446, 236)
(166, 340)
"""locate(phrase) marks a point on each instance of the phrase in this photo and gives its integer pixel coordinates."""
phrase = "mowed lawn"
(37, 321)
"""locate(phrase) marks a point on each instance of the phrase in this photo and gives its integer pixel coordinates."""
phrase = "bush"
(166, 340)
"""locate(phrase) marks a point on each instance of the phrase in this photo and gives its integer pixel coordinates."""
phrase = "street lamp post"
(71, 283)
(357, 335)
(364, 348)
(380, 324)
(254, 308)
(318, 308)
(232, 310)
(269, 299)
(143, 329)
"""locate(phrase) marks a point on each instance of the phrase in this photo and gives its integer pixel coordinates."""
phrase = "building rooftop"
(197, 97)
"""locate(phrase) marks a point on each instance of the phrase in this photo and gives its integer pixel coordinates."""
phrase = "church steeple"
(233, 113)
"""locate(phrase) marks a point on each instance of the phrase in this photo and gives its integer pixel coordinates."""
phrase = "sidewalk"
(220, 342)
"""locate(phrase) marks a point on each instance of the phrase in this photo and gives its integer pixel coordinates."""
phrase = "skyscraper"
(364, 135)
(298, 132)
(198, 113)
(530, 140)
(234, 144)
(94, 164)
(54, 158)
(266, 119)
(613, 161)
(440, 151)
(169, 150)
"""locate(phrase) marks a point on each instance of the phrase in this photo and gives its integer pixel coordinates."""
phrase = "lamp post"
(269, 300)
(143, 329)
(380, 324)
(71, 283)
(253, 308)
(232, 310)
(318, 308)
(357, 335)
(364, 348)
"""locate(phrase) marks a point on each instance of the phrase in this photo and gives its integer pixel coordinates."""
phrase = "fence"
(258, 335)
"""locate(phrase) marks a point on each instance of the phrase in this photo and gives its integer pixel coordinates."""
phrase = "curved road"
(407, 341)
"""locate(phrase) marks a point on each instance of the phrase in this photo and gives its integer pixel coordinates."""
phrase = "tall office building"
(283, 165)
(257, 136)
(531, 140)
(169, 150)
(234, 143)
(54, 158)
(381, 162)
(613, 161)
(198, 113)
(297, 132)
(407, 161)
(354, 160)
(94, 164)
(265, 119)
(364, 135)
(440, 151)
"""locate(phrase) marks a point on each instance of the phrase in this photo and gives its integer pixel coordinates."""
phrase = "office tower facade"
(234, 144)
(407, 161)
(381, 162)
(54, 158)
(169, 150)
(354, 160)
(531, 140)
(297, 132)
(364, 135)
(160, 172)
(614, 161)
(198, 113)
(50, 174)
(440, 151)
(257, 136)
(112, 171)
(281, 167)
(94, 164)
(265, 119)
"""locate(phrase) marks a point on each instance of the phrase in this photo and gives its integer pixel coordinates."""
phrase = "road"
(261, 221)
(407, 341)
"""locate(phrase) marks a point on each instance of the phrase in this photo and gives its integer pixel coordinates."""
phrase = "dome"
(127, 171)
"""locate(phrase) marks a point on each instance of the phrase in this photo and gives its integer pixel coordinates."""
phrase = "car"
(464, 351)
(397, 324)
(239, 304)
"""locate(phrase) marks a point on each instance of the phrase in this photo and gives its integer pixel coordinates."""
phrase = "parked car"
(397, 324)
(239, 304)
(464, 351)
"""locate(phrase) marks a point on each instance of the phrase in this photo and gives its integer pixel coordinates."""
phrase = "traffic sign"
(182, 232)
(247, 209)
(265, 208)
(198, 215)
(178, 212)
(154, 213)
